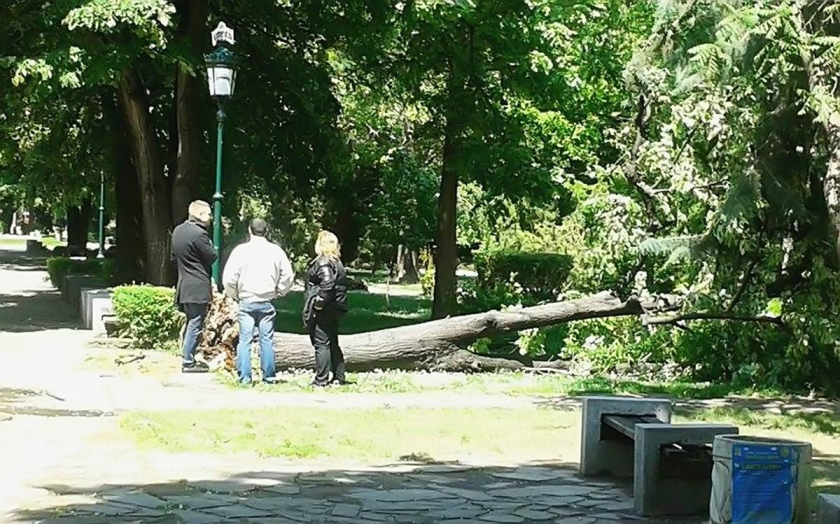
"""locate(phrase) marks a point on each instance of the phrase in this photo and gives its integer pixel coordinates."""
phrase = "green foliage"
(535, 276)
(148, 316)
(58, 267)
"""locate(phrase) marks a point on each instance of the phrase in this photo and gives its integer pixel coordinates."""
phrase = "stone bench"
(828, 509)
(73, 285)
(95, 303)
(670, 464)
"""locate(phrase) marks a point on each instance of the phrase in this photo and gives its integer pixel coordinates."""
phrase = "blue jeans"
(195, 323)
(260, 315)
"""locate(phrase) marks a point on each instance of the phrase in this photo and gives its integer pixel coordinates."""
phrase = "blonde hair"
(327, 246)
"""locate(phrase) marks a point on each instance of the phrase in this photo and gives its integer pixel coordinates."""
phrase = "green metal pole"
(101, 253)
(217, 197)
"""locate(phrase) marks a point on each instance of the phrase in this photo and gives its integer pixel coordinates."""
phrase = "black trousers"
(323, 332)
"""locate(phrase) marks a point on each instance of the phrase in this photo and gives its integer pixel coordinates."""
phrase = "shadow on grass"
(413, 493)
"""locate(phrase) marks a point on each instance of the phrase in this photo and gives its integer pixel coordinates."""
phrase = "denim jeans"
(195, 323)
(260, 315)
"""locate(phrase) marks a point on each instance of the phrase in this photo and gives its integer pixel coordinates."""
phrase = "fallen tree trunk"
(435, 345)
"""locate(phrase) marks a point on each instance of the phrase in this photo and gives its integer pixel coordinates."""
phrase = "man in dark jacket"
(194, 254)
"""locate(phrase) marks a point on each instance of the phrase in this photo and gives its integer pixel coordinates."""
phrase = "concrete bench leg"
(685, 493)
(828, 509)
(615, 457)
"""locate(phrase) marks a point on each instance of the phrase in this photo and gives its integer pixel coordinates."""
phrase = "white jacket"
(257, 271)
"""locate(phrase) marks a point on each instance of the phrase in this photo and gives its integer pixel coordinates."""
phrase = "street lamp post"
(221, 78)
(101, 253)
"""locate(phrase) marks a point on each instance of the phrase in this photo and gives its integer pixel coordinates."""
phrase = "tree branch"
(711, 315)
(747, 277)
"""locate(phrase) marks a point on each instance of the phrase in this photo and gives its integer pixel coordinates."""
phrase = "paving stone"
(542, 490)
(284, 489)
(270, 520)
(560, 501)
(135, 498)
(434, 479)
(566, 511)
(589, 503)
(464, 511)
(625, 505)
(400, 495)
(469, 494)
(345, 510)
(223, 486)
(201, 501)
(402, 507)
(575, 520)
(111, 509)
(498, 485)
(374, 517)
(608, 516)
(535, 474)
(498, 516)
(238, 511)
(537, 515)
(194, 517)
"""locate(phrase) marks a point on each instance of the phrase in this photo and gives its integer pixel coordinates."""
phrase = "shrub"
(534, 276)
(147, 315)
(57, 267)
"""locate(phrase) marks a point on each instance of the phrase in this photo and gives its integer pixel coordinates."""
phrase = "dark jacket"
(194, 254)
(325, 289)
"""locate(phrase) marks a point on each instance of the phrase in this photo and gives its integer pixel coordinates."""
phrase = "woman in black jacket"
(325, 302)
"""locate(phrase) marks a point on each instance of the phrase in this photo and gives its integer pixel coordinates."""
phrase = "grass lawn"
(368, 312)
(382, 435)
(502, 383)
(371, 435)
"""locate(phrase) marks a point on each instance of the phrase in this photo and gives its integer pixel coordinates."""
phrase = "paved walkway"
(63, 460)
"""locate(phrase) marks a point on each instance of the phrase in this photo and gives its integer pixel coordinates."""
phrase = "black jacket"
(326, 288)
(194, 254)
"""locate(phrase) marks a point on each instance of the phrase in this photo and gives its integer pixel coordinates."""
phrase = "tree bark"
(406, 270)
(446, 252)
(130, 253)
(193, 23)
(435, 345)
(78, 225)
(154, 194)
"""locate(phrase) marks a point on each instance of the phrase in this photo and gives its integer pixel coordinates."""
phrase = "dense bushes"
(147, 315)
(58, 267)
(539, 275)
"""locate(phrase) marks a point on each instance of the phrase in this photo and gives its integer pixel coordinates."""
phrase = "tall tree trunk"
(193, 24)
(129, 234)
(406, 269)
(446, 252)
(130, 252)
(154, 194)
(78, 225)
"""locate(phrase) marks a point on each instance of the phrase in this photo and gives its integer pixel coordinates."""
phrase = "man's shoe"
(271, 380)
(342, 382)
(319, 384)
(195, 368)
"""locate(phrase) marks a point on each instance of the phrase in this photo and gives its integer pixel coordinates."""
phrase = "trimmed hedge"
(148, 316)
(57, 267)
(540, 276)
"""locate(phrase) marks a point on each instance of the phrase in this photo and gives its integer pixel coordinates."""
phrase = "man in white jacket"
(256, 273)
